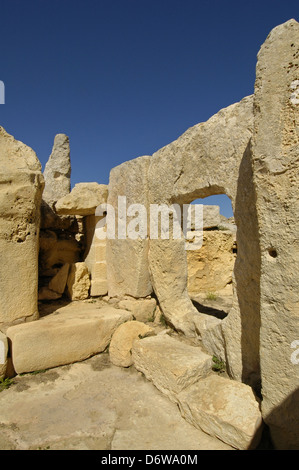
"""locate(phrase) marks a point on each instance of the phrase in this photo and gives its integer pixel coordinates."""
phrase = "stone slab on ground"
(72, 333)
(170, 364)
(93, 405)
(225, 409)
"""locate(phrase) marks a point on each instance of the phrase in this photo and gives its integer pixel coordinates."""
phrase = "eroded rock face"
(210, 268)
(21, 183)
(57, 171)
(275, 149)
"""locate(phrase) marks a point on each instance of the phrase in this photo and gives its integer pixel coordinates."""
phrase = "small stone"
(78, 283)
(122, 341)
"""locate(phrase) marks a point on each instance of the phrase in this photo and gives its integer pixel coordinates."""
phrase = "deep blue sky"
(123, 78)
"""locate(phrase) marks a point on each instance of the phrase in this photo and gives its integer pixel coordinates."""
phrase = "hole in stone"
(272, 252)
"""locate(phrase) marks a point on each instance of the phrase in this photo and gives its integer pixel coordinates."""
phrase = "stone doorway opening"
(210, 268)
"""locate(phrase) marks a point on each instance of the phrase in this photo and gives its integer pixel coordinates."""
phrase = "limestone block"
(71, 334)
(223, 408)
(120, 349)
(143, 310)
(3, 354)
(211, 216)
(21, 185)
(275, 152)
(78, 283)
(58, 282)
(98, 287)
(99, 270)
(57, 171)
(170, 364)
(210, 268)
(83, 199)
(127, 259)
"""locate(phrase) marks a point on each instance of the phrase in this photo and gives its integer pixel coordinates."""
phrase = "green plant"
(163, 320)
(211, 296)
(5, 383)
(218, 365)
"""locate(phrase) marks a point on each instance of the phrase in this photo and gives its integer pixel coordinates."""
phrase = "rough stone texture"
(127, 260)
(3, 354)
(21, 184)
(95, 256)
(58, 282)
(210, 268)
(56, 250)
(275, 149)
(170, 364)
(57, 171)
(211, 216)
(143, 310)
(78, 283)
(93, 405)
(120, 349)
(83, 199)
(68, 335)
(225, 409)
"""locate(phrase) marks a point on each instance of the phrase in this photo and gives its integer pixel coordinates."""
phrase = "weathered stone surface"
(68, 335)
(95, 256)
(170, 364)
(211, 216)
(3, 354)
(78, 283)
(122, 341)
(21, 184)
(83, 199)
(211, 267)
(225, 409)
(57, 171)
(94, 405)
(143, 310)
(127, 259)
(58, 282)
(275, 150)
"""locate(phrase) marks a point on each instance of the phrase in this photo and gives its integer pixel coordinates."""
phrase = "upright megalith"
(275, 148)
(57, 171)
(21, 185)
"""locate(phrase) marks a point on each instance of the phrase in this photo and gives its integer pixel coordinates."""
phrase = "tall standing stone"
(275, 150)
(57, 171)
(21, 185)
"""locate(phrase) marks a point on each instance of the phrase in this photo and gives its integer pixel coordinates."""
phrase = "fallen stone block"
(170, 364)
(73, 333)
(120, 349)
(225, 409)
